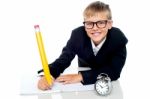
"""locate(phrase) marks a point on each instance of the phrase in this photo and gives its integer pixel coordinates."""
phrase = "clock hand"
(101, 86)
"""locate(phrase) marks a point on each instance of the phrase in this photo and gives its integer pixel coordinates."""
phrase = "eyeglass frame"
(93, 23)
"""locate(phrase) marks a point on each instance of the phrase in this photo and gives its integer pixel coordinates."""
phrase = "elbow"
(114, 76)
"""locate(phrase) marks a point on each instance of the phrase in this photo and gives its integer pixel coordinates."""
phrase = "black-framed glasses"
(99, 24)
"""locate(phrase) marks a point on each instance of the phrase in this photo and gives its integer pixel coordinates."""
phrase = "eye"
(101, 22)
(89, 23)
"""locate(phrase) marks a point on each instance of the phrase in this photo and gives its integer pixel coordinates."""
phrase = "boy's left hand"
(69, 78)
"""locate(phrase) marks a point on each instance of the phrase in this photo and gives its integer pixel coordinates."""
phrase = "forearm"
(113, 68)
(90, 77)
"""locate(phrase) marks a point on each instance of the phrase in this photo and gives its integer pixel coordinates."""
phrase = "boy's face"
(97, 31)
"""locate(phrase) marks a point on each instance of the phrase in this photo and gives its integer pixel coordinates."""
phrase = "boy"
(97, 44)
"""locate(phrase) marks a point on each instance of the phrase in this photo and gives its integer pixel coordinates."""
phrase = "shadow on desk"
(115, 94)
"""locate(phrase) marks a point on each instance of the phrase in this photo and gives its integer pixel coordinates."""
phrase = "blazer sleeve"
(64, 60)
(112, 68)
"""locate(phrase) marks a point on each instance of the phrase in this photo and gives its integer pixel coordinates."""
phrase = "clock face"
(102, 87)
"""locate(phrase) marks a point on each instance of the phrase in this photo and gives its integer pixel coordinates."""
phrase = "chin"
(96, 39)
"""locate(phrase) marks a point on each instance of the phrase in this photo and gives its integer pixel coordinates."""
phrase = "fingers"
(67, 82)
(70, 78)
(63, 78)
(43, 84)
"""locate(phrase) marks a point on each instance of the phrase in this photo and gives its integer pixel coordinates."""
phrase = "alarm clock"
(103, 85)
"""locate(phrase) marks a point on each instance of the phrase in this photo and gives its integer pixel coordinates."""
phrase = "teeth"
(96, 33)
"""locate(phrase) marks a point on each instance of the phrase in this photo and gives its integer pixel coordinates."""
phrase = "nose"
(95, 26)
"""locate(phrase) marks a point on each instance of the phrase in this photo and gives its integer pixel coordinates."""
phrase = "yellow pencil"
(42, 54)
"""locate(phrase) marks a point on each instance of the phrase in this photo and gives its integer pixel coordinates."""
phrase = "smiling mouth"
(96, 34)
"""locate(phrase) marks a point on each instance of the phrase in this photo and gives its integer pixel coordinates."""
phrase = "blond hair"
(97, 7)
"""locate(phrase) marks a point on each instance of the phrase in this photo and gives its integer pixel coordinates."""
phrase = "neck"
(96, 43)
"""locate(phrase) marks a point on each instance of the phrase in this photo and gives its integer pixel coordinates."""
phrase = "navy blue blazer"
(110, 59)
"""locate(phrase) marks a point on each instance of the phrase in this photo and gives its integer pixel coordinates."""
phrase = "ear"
(110, 23)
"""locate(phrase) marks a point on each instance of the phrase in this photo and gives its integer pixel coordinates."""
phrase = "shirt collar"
(99, 45)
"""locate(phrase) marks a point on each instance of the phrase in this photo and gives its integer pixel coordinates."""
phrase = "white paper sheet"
(29, 87)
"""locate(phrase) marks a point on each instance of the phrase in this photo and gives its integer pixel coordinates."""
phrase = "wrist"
(80, 77)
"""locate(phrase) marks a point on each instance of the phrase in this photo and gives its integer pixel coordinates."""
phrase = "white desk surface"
(28, 83)
(115, 94)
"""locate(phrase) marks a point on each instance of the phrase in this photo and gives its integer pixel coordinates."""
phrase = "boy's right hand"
(43, 84)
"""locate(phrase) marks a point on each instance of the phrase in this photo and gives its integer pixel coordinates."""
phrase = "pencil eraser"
(36, 26)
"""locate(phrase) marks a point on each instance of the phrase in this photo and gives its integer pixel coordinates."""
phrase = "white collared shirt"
(97, 48)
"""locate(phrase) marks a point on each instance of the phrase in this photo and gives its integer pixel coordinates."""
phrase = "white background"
(18, 47)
